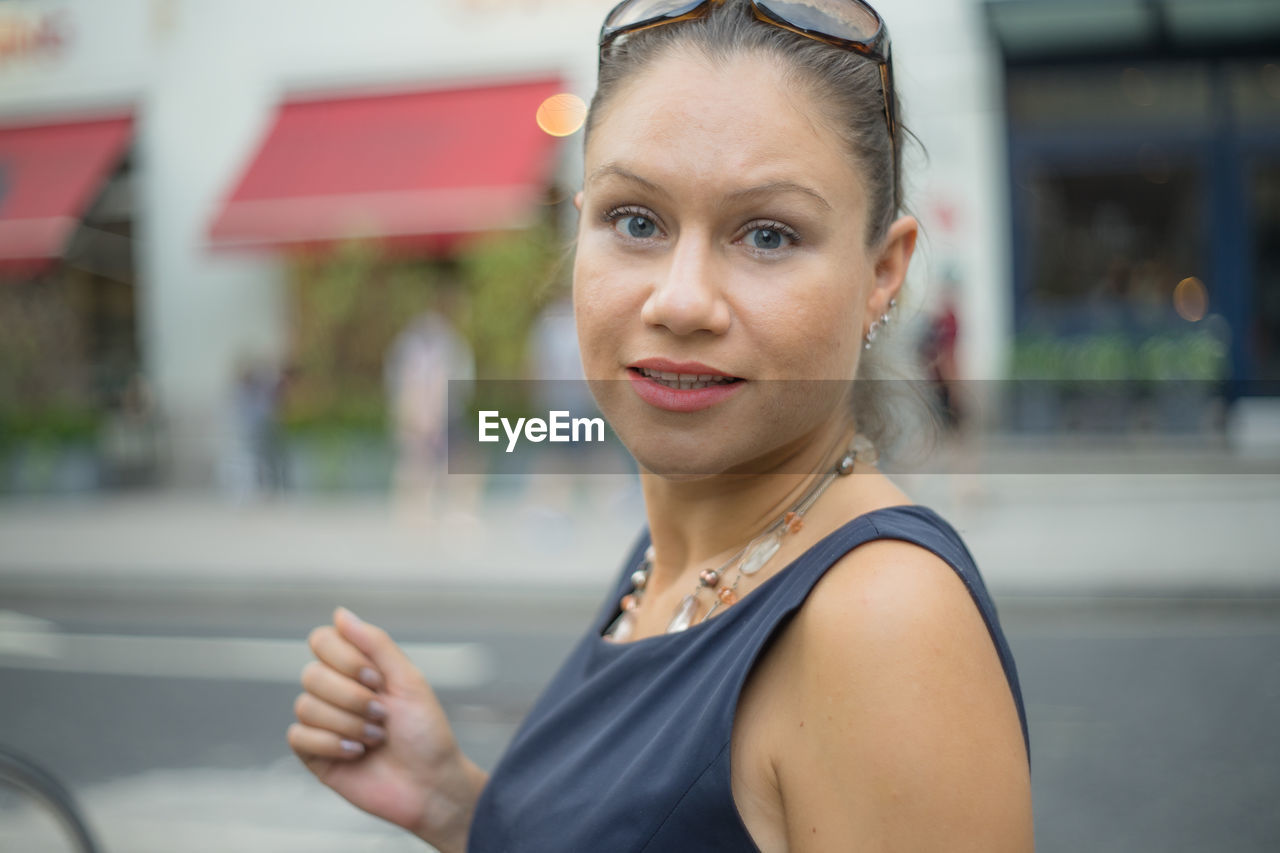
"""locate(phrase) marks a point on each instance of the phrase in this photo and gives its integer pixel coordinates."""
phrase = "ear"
(577, 200)
(892, 260)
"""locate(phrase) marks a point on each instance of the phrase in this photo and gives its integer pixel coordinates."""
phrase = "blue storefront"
(1144, 178)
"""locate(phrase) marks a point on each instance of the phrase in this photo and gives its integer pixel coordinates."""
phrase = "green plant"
(1038, 357)
(347, 306)
(1100, 357)
(1198, 356)
(52, 426)
(508, 278)
(1194, 356)
(350, 303)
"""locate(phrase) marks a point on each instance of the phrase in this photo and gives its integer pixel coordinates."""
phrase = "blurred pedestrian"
(793, 655)
(938, 355)
(554, 361)
(423, 358)
(561, 471)
(131, 436)
(254, 464)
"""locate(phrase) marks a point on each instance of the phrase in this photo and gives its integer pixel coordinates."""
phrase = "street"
(1153, 718)
(162, 695)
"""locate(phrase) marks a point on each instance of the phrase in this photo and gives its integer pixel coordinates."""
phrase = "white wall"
(949, 76)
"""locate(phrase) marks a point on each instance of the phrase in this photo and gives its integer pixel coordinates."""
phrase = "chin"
(674, 454)
(695, 455)
(678, 471)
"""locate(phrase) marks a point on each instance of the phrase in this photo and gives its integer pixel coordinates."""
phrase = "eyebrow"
(761, 189)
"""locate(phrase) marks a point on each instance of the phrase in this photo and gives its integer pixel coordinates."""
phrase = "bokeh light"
(562, 114)
(1190, 299)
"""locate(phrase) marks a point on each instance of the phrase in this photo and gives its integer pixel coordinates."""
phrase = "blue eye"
(768, 239)
(634, 225)
(770, 236)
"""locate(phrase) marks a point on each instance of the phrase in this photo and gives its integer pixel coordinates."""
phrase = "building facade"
(1027, 133)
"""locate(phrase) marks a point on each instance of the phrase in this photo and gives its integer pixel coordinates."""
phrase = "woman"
(739, 246)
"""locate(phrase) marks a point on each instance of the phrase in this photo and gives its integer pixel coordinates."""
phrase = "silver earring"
(883, 321)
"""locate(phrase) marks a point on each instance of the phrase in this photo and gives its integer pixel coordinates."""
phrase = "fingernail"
(377, 710)
(369, 677)
(353, 616)
(352, 746)
(373, 732)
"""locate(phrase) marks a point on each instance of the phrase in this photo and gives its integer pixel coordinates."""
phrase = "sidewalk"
(182, 538)
(1047, 533)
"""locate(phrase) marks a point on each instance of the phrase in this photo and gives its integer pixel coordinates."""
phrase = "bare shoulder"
(900, 730)
(892, 591)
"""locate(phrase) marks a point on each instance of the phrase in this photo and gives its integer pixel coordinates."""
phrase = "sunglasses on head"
(849, 24)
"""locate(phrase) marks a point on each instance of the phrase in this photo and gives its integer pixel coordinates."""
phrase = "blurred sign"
(85, 52)
(28, 34)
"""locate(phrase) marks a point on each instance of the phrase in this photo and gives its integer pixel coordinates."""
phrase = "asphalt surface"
(1151, 718)
(150, 645)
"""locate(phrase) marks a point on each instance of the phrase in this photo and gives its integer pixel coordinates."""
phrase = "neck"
(695, 524)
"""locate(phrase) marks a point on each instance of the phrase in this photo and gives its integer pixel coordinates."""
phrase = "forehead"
(721, 126)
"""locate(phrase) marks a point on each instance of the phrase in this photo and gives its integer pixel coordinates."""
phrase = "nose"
(688, 298)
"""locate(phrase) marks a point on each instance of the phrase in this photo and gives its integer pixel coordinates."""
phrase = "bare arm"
(902, 733)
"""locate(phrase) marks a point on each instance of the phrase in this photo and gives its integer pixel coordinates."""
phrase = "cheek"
(839, 323)
(812, 331)
(599, 309)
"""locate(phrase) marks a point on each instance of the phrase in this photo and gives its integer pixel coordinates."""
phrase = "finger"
(337, 689)
(311, 743)
(377, 645)
(317, 714)
(330, 647)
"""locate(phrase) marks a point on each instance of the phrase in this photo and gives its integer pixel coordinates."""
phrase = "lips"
(685, 381)
(686, 386)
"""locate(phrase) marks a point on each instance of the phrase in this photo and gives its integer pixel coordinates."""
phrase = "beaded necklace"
(748, 560)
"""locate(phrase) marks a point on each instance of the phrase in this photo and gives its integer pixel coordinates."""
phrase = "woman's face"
(722, 235)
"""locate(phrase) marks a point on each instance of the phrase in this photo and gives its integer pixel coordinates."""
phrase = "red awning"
(427, 165)
(49, 175)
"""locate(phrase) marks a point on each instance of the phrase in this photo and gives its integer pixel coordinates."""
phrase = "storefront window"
(1112, 246)
(1146, 204)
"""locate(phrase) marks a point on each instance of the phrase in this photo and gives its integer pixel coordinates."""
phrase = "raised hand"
(371, 728)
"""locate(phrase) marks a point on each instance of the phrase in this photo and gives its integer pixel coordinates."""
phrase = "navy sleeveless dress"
(627, 748)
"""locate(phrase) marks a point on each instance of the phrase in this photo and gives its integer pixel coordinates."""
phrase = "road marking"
(30, 643)
(278, 807)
